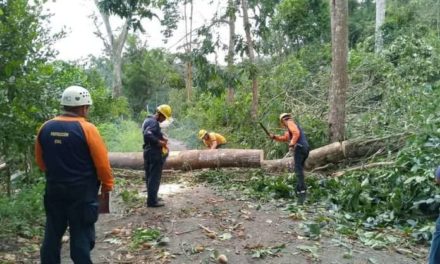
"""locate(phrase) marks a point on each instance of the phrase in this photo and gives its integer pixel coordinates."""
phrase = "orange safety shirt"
(293, 135)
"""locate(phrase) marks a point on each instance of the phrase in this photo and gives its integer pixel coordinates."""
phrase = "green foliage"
(30, 87)
(361, 20)
(148, 75)
(124, 136)
(22, 51)
(269, 251)
(104, 109)
(131, 198)
(141, 236)
(303, 21)
(23, 213)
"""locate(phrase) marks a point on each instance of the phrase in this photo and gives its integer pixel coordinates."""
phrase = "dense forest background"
(285, 55)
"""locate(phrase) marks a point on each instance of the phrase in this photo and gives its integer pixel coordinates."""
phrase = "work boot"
(156, 205)
(302, 195)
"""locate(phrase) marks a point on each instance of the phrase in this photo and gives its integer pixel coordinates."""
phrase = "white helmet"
(76, 96)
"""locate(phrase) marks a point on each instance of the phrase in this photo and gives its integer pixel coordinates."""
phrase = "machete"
(265, 130)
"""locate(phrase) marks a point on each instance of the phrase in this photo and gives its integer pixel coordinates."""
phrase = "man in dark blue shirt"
(155, 148)
(74, 158)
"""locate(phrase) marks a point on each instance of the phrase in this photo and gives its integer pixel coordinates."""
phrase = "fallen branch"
(336, 152)
(363, 167)
(186, 232)
(207, 229)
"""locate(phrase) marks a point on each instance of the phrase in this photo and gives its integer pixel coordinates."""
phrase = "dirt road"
(200, 223)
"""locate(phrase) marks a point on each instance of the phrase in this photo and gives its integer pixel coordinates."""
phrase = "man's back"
(65, 150)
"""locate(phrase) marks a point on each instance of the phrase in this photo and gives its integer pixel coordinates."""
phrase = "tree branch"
(106, 20)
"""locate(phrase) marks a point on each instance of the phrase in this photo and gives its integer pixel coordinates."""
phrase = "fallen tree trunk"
(253, 158)
(193, 159)
(337, 152)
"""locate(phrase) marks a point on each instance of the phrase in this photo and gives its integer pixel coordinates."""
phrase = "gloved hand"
(162, 143)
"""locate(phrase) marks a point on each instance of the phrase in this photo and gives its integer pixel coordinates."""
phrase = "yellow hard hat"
(283, 115)
(202, 133)
(165, 110)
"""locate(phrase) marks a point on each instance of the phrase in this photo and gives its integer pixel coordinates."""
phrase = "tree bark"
(115, 46)
(188, 48)
(338, 89)
(380, 18)
(250, 50)
(337, 152)
(193, 159)
(221, 158)
(230, 58)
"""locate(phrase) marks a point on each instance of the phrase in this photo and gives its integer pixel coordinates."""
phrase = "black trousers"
(300, 155)
(153, 164)
(73, 206)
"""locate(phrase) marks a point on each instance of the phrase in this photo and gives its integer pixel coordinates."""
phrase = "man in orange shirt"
(299, 147)
(211, 140)
(74, 158)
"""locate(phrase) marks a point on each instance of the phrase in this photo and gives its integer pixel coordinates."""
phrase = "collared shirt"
(152, 133)
(214, 137)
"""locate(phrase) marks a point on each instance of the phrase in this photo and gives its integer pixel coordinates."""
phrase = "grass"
(125, 136)
(23, 213)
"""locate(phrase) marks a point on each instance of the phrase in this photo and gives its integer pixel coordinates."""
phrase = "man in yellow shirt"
(212, 140)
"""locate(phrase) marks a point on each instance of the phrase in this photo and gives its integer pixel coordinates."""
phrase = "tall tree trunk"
(380, 18)
(250, 49)
(230, 58)
(338, 89)
(188, 47)
(117, 75)
(114, 47)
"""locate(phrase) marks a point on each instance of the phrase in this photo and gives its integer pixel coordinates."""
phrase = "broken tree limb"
(193, 159)
(339, 151)
(363, 167)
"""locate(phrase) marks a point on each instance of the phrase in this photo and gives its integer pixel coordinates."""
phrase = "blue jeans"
(153, 164)
(75, 207)
(434, 252)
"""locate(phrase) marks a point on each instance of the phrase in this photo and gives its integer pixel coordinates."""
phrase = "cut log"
(193, 159)
(337, 152)
(253, 158)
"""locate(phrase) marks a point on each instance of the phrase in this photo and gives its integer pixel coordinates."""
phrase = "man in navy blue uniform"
(74, 158)
(155, 151)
